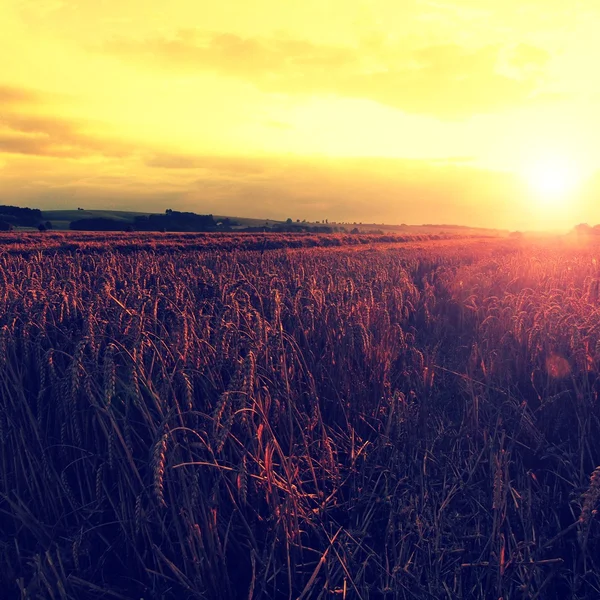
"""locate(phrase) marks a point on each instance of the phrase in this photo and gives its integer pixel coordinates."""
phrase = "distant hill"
(20, 217)
(62, 219)
(113, 220)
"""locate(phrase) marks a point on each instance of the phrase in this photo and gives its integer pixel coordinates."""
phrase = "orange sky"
(360, 110)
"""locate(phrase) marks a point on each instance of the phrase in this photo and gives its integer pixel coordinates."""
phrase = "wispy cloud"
(448, 81)
(219, 164)
(17, 95)
(55, 137)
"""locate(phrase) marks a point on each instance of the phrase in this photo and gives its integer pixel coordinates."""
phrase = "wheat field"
(404, 419)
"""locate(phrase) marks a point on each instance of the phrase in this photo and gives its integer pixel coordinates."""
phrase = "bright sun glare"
(553, 178)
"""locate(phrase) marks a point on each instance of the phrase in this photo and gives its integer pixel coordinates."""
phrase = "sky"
(474, 112)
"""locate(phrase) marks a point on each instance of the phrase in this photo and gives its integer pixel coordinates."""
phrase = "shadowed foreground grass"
(402, 422)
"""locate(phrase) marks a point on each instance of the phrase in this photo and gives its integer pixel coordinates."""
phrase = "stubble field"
(402, 419)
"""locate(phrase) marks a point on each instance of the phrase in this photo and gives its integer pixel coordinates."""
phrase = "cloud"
(28, 127)
(235, 55)
(525, 55)
(447, 81)
(219, 164)
(16, 144)
(55, 137)
(16, 95)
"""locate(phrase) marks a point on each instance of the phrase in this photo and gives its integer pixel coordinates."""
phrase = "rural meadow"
(299, 300)
(414, 419)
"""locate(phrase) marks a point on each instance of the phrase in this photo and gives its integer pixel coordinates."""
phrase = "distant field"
(101, 242)
(228, 416)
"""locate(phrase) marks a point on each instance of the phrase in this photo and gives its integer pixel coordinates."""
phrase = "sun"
(553, 178)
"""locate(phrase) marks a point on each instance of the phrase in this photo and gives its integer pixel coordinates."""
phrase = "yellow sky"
(375, 110)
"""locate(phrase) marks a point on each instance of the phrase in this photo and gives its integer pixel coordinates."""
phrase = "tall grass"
(401, 422)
